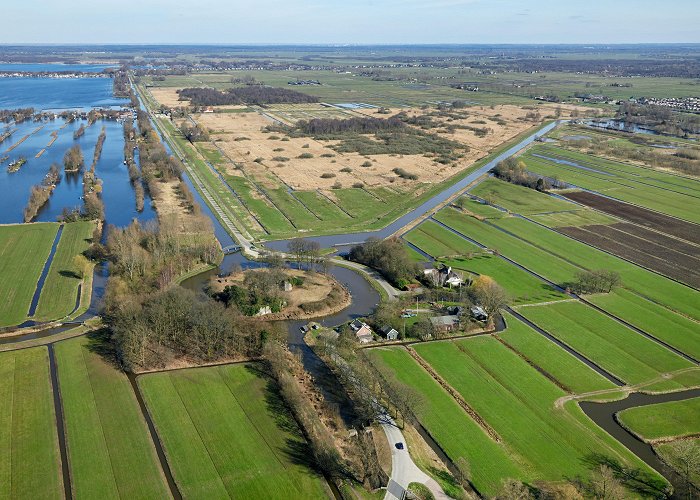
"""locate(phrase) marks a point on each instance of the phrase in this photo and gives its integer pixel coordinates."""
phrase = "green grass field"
(456, 432)
(558, 258)
(30, 463)
(674, 329)
(657, 288)
(664, 420)
(548, 443)
(669, 194)
(478, 208)
(24, 249)
(577, 218)
(522, 287)
(59, 294)
(618, 349)
(519, 199)
(437, 241)
(110, 451)
(227, 434)
(569, 372)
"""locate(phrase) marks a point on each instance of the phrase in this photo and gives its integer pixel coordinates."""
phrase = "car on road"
(399, 446)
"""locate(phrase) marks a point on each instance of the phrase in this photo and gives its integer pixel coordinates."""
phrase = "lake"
(60, 94)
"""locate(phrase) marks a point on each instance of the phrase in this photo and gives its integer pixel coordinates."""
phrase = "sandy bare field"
(274, 158)
(167, 96)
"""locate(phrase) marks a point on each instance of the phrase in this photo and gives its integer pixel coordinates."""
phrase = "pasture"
(517, 401)
(24, 249)
(522, 287)
(59, 294)
(663, 421)
(456, 432)
(109, 448)
(437, 241)
(570, 374)
(621, 351)
(30, 463)
(227, 433)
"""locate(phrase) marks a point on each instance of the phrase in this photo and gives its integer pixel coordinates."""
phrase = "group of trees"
(41, 193)
(73, 160)
(260, 288)
(597, 281)
(659, 118)
(176, 323)
(98, 148)
(334, 127)
(251, 94)
(389, 257)
(307, 252)
(134, 172)
(16, 115)
(515, 171)
(194, 133)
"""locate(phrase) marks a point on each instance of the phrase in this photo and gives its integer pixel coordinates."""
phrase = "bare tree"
(684, 456)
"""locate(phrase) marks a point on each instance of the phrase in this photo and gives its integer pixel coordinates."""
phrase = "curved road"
(403, 470)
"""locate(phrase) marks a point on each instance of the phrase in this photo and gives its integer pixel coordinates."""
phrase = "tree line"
(40, 193)
(515, 171)
(257, 94)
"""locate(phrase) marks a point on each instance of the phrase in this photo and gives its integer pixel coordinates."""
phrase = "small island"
(281, 293)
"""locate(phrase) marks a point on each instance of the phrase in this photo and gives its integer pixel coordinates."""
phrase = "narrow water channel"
(605, 415)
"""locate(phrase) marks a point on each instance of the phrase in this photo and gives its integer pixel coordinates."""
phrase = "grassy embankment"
(227, 433)
(109, 448)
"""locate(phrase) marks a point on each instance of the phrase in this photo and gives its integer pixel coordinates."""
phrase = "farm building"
(389, 333)
(444, 276)
(478, 313)
(362, 331)
(445, 323)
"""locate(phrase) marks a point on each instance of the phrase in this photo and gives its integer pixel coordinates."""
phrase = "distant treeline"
(391, 136)
(16, 115)
(337, 127)
(244, 95)
(659, 118)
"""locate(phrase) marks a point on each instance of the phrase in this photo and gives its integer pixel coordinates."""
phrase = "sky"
(349, 21)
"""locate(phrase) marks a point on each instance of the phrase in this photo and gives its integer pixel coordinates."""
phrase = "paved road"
(403, 470)
(375, 275)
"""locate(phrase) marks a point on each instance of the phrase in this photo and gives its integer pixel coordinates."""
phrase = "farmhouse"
(362, 331)
(389, 333)
(444, 276)
(445, 323)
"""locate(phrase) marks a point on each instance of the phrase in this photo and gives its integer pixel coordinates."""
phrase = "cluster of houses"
(446, 323)
(689, 104)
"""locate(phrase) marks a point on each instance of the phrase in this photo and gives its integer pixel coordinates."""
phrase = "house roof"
(386, 330)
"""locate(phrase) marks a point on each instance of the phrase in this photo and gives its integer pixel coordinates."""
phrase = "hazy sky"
(349, 21)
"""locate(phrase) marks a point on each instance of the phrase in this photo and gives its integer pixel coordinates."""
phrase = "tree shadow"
(70, 274)
(100, 343)
(637, 480)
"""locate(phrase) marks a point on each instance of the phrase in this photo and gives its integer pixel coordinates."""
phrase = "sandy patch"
(167, 96)
(316, 287)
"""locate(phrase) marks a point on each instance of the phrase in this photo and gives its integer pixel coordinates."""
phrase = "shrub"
(280, 158)
(358, 185)
(337, 185)
(259, 160)
(366, 164)
(305, 146)
(238, 139)
(347, 170)
(327, 175)
(305, 156)
(404, 174)
(327, 155)
(273, 137)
